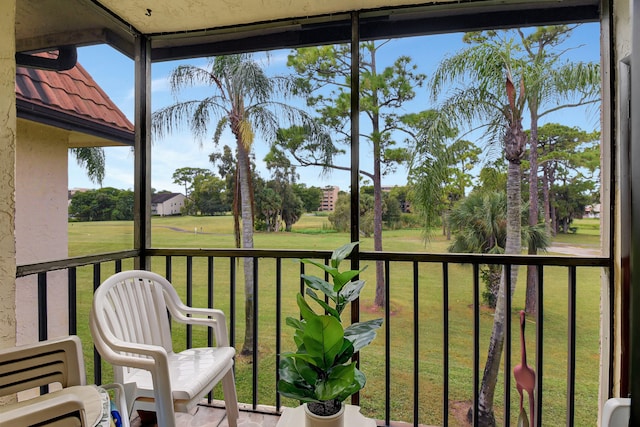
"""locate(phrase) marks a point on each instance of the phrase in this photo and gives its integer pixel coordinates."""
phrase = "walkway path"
(569, 249)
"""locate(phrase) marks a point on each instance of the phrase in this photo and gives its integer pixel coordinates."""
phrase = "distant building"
(73, 192)
(592, 211)
(329, 198)
(405, 206)
(165, 204)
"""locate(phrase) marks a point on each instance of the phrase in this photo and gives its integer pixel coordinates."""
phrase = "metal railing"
(430, 280)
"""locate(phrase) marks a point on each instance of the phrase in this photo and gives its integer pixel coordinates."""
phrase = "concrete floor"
(206, 416)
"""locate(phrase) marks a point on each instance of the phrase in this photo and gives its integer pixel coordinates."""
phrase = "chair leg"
(230, 398)
(164, 403)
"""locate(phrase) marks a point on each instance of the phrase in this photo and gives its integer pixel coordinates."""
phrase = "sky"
(114, 72)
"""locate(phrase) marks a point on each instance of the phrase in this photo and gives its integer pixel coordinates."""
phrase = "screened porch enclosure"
(418, 372)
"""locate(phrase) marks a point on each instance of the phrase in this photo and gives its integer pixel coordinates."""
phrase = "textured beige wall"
(7, 168)
(41, 225)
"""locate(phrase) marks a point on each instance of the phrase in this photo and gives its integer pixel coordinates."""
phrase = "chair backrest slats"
(34, 365)
(137, 312)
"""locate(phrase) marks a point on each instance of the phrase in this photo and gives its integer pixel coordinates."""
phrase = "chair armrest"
(209, 317)
(117, 352)
(46, 408)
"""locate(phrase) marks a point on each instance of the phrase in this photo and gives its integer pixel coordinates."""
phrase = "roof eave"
(53, 117)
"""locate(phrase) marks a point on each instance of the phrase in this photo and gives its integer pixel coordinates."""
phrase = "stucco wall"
(41, 224)
(7, 168)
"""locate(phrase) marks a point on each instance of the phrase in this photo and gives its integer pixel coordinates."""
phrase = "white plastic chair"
(616, 412)
(57, 363)
(131, 330)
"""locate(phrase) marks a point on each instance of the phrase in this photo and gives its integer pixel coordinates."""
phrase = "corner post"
(142, 149)
(355, 165)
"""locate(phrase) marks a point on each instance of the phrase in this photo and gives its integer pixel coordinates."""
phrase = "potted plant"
(321, 374)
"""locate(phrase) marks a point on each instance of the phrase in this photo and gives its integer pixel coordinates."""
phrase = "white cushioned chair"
(131, 330)
(57, 363)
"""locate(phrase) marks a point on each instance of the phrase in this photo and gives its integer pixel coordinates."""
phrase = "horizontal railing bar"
(547, 260)
(61, 264)
(550, 260)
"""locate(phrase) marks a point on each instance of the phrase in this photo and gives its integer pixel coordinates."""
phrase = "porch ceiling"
(184, 28)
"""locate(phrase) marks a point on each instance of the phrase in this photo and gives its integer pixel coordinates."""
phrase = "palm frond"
(93, 160)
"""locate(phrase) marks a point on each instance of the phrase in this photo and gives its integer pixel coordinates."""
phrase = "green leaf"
(332, 311)
(362, 333)
(345, 353)
(341, 253)
(342, 382)
(306, 312)
(320, 285)
(306, 371)
(323, 339)
(303, 355)
(331, 270)
(351, 291)
(340, 379)
(295, 323)
(297, 378)
(341, 279)
(293, 391)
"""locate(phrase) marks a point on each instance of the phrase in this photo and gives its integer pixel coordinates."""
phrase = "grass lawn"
(312, 232)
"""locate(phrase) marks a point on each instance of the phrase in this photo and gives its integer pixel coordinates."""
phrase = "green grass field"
(312, 233)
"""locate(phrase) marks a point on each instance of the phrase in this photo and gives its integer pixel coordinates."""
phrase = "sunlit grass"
(211, 232)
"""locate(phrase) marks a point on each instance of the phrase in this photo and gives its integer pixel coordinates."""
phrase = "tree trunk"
(444, 224)
(513, 246)
(377, 224)
(554, 214)
(532, 271)
(514, 143)
(546, 202)
(247, 243)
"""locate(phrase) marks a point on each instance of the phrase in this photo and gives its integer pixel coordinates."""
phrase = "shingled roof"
(70, 100)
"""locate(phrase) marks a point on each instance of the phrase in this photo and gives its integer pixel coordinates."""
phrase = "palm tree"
(551, 85)
(479, 225)
(249, 102)
(92, 159)
(487, 97)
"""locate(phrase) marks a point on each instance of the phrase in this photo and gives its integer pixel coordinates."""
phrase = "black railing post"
(445, 343)
(507, 345)
(210, 283)
(539, 345)
(97, 360)
(476, 341)
(232, 301)
(355, 166)
(43, 326)
(254, 325)
(387, 346)
(189, 290)
(571, 351)
(416, 345)
(210, 301)
(278, 324)
(43, 333)
(73, 303)
(168, 270)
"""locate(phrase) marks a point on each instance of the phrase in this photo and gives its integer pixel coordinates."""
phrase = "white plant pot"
(313, 420)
